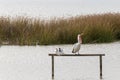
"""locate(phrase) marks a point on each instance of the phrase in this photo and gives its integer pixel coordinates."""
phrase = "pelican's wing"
(76, 47)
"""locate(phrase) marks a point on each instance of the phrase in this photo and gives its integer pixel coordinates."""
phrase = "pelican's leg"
(78, 52)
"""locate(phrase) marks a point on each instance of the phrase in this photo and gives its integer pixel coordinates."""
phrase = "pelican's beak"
(82, 34)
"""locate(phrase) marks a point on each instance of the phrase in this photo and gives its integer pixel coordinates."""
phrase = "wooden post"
(100, 67)
(52, 67)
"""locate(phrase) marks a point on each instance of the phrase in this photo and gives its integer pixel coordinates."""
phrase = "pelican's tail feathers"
(73, 51)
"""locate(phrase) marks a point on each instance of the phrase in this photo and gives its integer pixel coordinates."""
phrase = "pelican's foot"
(76, 54)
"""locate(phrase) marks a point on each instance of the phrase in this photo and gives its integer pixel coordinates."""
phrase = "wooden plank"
(76, 54)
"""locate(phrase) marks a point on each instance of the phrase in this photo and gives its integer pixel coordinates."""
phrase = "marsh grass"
(98, 28)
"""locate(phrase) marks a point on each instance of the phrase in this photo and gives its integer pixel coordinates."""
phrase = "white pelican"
(76, 46)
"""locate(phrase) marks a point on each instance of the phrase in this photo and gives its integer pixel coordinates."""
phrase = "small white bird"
(76, 46)
(59, 51)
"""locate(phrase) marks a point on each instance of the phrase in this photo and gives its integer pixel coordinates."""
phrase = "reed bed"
(97, 28)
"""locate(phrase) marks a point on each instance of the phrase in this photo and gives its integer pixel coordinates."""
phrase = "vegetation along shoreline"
(97, 28)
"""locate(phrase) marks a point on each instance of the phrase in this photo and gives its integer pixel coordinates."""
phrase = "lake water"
(33, 63)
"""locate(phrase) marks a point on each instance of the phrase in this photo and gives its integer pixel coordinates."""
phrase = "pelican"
(76, 46)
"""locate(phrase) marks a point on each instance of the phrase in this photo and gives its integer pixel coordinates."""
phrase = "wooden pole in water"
(52, 67)
(100, 67)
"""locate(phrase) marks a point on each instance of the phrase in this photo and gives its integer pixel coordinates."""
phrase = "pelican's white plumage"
(76, 46)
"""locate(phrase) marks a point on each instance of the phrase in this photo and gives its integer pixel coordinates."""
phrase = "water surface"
(33, 63)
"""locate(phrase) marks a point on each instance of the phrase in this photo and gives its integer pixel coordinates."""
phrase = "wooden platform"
(77, 55)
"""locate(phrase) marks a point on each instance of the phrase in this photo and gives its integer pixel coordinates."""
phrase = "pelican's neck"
(79, 39)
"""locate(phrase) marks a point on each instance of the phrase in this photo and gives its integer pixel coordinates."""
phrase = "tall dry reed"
(30, 31)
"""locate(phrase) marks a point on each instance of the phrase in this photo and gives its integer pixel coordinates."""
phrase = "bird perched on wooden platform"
(76, 46)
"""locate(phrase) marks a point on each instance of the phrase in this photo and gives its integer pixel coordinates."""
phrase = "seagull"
(76, 46)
